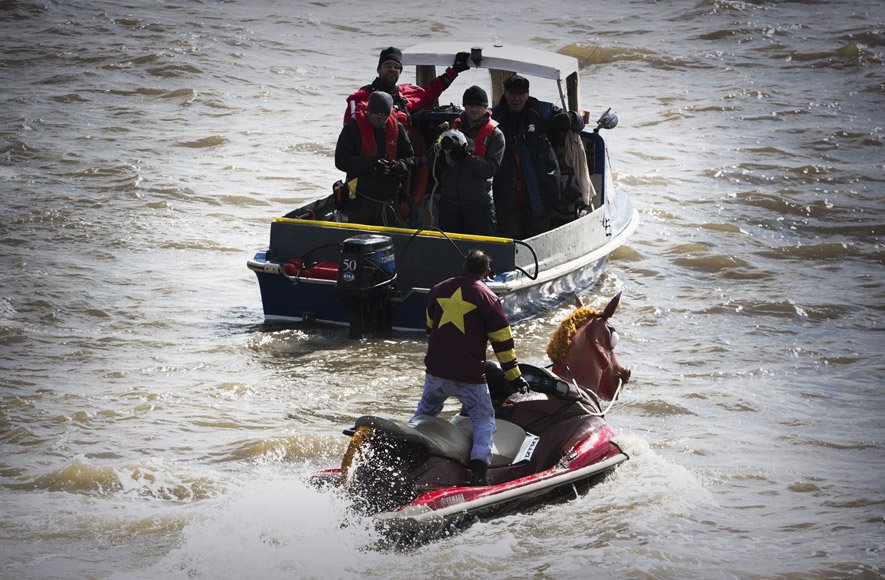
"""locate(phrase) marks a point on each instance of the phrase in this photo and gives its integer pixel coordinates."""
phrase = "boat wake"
(276, 527)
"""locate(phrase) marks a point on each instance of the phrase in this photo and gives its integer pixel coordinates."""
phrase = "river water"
(152, 426)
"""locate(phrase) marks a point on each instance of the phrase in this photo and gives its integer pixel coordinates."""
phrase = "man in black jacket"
(467, 167)
(375, 153)
(528, 184)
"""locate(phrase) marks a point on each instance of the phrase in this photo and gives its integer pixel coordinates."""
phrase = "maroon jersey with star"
(463, 316)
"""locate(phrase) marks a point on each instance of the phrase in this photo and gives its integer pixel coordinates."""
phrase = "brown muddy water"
(152, 426)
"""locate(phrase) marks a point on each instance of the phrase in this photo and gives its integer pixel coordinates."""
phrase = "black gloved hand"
(448, 143)
(461, 64)
(378, 165)
(520, 384)
(559, 123)
(398, 167)
(459, 153)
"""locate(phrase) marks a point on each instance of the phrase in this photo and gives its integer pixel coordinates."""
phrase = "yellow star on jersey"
(454, 309)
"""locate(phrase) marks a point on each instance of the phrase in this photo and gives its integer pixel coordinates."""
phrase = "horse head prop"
(582, 349)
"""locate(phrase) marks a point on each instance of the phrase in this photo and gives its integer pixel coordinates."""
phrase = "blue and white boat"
(318, 266)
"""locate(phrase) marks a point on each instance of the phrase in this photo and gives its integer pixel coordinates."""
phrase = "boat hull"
(531, 277)
(316, 300)
(468, 505)
(441, 512)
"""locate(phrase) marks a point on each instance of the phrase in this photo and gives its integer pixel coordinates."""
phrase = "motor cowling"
(366, 274)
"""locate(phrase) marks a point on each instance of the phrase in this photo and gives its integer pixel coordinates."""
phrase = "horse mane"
(562, 336)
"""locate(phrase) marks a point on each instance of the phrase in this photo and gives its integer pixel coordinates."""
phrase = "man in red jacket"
(406, 97)
(463, 315)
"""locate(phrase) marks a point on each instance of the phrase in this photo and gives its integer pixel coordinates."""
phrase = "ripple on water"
(82, 477)
(659, 408)
(285, 448)
(814, 442)
(782, 308)
(723, 265)
(205, 142)
(721, 228)
(174, 70)
(591, 53)
(823, 252)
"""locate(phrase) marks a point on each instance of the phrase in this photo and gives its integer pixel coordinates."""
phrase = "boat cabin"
(320, 266)
(502, 62)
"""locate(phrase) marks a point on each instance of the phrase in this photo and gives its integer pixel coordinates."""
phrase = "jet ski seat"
(452, 439)
(507, 442)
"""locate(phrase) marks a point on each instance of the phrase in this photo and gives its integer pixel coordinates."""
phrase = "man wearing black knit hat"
(406, 97)
(528, 186)
(376, 154)
(473, 151)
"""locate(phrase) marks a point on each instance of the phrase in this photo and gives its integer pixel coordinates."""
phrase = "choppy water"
(151, 426)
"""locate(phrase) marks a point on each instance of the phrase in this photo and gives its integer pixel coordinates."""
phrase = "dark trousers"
(473, 217)
(370, 212)
(518, 223)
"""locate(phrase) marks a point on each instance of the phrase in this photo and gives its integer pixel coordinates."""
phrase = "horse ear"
(612, 306)
(578, 302)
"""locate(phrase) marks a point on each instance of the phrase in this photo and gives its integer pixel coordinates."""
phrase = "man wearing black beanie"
(473, 153)
(528, 186)
(376, 154)
(406, 97)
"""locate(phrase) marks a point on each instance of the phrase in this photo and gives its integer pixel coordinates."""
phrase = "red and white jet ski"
(551, 442)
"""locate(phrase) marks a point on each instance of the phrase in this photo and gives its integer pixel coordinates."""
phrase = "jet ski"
(550, 443)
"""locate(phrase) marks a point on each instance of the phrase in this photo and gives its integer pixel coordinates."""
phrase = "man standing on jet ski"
(463, 315)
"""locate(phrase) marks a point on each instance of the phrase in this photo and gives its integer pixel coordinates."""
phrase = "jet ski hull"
(435, 513)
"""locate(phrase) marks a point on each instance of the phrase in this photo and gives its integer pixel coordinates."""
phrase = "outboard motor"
(366, 273)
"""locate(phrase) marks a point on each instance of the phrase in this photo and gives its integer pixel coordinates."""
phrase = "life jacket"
(482, 137)
(419, 174)
(367, 132)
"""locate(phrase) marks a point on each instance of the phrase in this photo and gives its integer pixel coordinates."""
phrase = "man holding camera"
(473, 149)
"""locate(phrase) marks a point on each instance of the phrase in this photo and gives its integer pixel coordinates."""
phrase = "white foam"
(274, 528)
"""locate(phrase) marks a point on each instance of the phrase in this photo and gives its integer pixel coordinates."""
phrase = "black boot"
(478, 469)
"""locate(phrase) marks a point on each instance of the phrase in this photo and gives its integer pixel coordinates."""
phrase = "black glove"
(448, 143)
(559, 123)
(378, 165)
(520, 384)
(459, 154)
(460, 64)
(398, 167)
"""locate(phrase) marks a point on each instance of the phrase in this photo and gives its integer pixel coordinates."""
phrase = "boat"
(412, 477)
(320, 267)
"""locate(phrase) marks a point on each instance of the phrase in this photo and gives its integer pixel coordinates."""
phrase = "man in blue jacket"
(527, 186)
